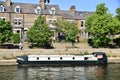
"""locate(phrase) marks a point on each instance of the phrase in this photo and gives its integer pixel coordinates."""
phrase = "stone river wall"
(6, 54)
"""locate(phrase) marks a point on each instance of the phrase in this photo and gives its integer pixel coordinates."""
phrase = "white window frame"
(38, 10)
(18, 22)
(2, 9)
(50, 23)
(83, 33)
(19, 9)
(52, 11)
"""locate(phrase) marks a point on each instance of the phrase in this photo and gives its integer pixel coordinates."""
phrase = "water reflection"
(109, 72)
(60, 73)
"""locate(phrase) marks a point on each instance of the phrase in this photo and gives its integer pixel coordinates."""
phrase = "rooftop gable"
(30, 9)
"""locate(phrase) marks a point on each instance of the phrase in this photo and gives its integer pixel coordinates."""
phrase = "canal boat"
(97, 58)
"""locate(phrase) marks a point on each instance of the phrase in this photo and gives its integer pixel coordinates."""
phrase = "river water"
(108, 72)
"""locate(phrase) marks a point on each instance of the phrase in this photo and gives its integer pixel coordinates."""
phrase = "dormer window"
(52, 10)
(17, 9)
(38, 10)
(1, 8)
(81, 14)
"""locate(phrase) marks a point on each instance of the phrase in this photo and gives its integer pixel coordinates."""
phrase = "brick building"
(23, 15)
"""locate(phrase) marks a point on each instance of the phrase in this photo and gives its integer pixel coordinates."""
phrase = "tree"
(118, 13)
(69, 29)
(71, 36)
(5, 31)
(15, 38)
(117, 18)
(117, 22)
(101, 24)
(39, 34)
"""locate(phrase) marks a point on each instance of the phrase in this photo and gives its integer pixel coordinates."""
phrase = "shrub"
(15, 38)
(117, 41)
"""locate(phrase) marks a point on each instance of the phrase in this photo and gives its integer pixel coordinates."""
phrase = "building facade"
(23, 15)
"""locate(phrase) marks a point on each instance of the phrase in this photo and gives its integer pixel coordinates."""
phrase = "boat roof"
(59, 55)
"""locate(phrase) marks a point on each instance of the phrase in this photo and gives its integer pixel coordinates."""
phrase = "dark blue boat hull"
(70, 63)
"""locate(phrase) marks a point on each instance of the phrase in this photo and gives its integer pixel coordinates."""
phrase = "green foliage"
(69, 29)
(100, 41)
(39, 33)
(114, 26)
(5, 31)
(86, 53)
(101, 9)
(101, 24)
(15, 38)
(118, 13)
(117, 18)
(71, 36)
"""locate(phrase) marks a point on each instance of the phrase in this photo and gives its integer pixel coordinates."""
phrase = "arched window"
(38, 10)
(52, 11)
(17, 9)
(1, 8)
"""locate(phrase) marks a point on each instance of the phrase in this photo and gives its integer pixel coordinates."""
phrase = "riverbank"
(7, 55)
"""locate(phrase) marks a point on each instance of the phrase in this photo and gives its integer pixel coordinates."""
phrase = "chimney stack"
(73, 9)
(42, 4)
(8, 2)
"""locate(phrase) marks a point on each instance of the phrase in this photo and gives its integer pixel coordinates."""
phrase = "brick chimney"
(73, 9)
(8, 2)
(42, 4)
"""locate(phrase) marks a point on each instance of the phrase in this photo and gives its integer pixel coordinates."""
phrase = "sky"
(81, 5)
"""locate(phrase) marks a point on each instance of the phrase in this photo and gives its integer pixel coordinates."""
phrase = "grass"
(9, 57)
(86, 53)
(114, 56)
(84, 41)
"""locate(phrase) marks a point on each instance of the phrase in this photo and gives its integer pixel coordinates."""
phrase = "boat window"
(99, 56)
(48, 58)
(86, 58)
(61, 58)
(73, 58)
(37, 58)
